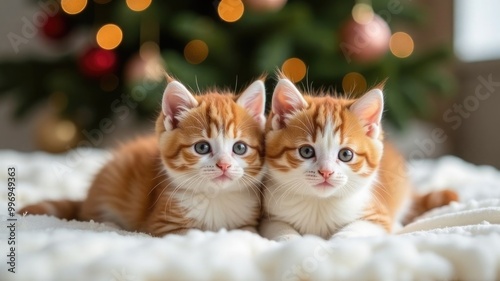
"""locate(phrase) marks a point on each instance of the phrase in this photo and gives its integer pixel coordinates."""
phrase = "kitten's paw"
(360, 229)
(286, 237)
(440, 198)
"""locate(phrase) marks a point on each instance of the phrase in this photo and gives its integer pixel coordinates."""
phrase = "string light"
(73, 7)
(230, 10)
(354, 82)
(196, 51)
(294, 69)
(109, 36)
(362, 13)
(401, 45)
(138, 5)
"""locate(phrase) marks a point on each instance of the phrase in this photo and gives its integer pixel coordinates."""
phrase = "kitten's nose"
(223, 166)
(325, 173)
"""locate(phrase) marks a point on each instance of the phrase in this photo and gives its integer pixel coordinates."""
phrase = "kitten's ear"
(253, 99)
(176, 99)
(369, 110)
(286, 99)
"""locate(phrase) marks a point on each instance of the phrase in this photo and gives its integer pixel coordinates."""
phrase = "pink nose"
(223, 166)
(325, 173)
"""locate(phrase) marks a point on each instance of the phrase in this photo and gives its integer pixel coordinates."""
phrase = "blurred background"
(89, 73)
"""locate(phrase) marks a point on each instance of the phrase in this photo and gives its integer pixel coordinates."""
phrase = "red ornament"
(265, 5)
(97, 62)
(365, 42)
(56, 27)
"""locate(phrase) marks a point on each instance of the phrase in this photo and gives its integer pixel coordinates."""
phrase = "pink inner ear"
(286, 99)
(176, 99)
(369, 110)
(172, 108)
(282, 105)
(253, 99)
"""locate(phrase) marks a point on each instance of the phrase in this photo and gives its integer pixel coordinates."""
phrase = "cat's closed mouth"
(324, 185)
(222, 178)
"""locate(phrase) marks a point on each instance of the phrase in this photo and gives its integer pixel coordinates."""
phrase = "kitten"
(201, 170)
(330, 173)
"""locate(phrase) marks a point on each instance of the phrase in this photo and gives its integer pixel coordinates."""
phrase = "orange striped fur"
(201, 170)
(319, 193)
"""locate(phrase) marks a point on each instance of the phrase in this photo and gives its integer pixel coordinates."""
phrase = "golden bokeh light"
(294, 69)
(65, 130)
(196, 51)
(138, 5)
(230, 10)
(362, 13)
(401, 45)
(73, 7)
(109, 36)
(354, 83)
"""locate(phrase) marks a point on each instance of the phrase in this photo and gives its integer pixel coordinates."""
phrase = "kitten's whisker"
(177, 188)
(288, 187)
(253, 185)
(289, 192)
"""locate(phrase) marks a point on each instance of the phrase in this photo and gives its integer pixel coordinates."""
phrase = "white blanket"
(460, 241)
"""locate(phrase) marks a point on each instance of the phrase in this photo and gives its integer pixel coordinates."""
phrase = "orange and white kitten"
(330, 173)
(202, 169)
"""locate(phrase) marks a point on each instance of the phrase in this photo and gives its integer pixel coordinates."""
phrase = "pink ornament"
(365, 42)
(264, 5)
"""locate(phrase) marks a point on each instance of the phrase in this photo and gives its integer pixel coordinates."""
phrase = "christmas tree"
(113, 53)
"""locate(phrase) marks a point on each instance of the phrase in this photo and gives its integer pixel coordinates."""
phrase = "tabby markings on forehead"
(327, 135)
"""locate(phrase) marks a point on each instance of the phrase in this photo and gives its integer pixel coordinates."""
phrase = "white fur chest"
(318, 216)
(229, 210)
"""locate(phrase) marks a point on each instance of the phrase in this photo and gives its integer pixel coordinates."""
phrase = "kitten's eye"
(345, 155)
(239, 148)
(202, 147)
(306, 151)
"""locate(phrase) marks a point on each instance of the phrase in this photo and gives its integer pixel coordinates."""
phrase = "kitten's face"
(213, 141)
(322, 146)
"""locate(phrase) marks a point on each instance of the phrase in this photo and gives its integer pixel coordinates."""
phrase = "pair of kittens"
(318, 165)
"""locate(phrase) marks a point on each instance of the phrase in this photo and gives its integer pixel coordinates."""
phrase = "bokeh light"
(354, 83)
(109, 36)
(73, 7)
(196, 51)
(65, 130)
(149, 49)
(294, 69)
(401, 44)
(230, 10)
(362, 13)
(138, 5)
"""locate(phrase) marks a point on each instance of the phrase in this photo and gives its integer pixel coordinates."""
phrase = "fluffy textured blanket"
(460, 241)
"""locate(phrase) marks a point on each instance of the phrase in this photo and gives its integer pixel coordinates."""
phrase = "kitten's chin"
(225, 182)
(323, 191)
